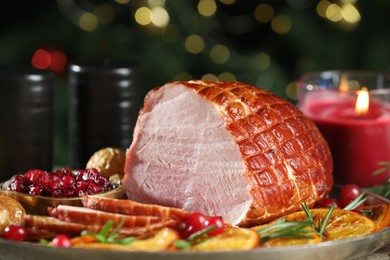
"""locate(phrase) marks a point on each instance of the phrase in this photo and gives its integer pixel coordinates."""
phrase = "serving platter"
(342, 249)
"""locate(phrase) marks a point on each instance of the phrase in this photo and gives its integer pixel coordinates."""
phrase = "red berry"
(218, 221)
(15, 232)
(34, 176)
(348, 193)
(328, 202)
(35, 190)
(62, 241)
(185, 230)
(197, 221)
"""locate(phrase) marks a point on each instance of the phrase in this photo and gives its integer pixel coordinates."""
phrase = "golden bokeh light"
(227, 2)
(333, 13)
(350, 13)
(104, 13)
(219, 54)
(292, 91)
(156, 2)
(209, 76)
(262, 60)
(207, 7)
(227, 76)
(194, 44)
(281, 24)
(160, 17)
(88, 22)
(143, 16)
(182, 76)
(321, 8)
(264, 13)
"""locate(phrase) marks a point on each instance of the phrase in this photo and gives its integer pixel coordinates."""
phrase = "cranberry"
(15, 232)
(185, 230)
(93, 188)
(197, 221)
(35, 190)
(217, 221)
(348, 193)
(68, 180)
(35, 176)
(61, 183)
(62, 241)
(328, 202)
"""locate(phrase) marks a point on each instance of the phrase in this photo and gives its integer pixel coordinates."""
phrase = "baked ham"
(226, 149)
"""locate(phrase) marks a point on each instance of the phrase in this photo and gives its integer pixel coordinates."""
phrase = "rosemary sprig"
(283, 229)
(105, 236)
(322, 223)
(356, 202)
(386, 167)
(194, 238)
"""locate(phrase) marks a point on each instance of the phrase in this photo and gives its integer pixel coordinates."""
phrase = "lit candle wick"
(362, 102)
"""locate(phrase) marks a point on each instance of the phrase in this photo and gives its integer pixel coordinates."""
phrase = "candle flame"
(362, 102)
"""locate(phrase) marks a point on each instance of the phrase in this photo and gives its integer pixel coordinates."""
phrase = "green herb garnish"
(356, 202)
(283, 229)
(194, 238)
(322, 223)
(105, 236)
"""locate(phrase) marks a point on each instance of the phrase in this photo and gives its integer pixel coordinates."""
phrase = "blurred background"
(268, 44)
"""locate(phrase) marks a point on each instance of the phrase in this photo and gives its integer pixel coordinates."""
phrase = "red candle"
(358, 140)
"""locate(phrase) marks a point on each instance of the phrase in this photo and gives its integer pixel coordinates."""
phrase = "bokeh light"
(41, 59)
(262, 60)
(194, 44)
(59, 62)
(264, 13)
(104, 13)
(88, 22)
(333, 13)
(182, 76)
(54, 60)
(209, 76)
(143, 16)
(219, 54)
(350, 13)
(227, 2)
(281, 24)
(227, 76)
(160, 17)
(207, 7)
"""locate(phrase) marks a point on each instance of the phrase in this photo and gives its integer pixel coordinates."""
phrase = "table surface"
(381, 254)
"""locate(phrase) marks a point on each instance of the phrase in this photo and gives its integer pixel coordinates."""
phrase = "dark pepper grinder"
(26, 120)
(103, 107)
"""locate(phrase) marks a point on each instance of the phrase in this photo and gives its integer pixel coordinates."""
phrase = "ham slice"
(129, 207)
(85, 216)
(226, 149)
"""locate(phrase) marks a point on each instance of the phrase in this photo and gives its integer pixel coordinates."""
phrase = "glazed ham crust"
(278, 157)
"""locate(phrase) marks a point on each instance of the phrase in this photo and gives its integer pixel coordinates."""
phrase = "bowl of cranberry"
(37, 190)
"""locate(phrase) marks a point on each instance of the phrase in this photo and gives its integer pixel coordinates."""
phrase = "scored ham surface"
(226, 149)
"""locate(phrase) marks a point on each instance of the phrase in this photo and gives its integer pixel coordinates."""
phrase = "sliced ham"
(44, 227)
(226, 149)
(85, 216)
(129, 207)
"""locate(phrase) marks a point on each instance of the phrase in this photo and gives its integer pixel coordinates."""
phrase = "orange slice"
(157, 241)
(342, 223)
(380, 214)
(230, 239)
